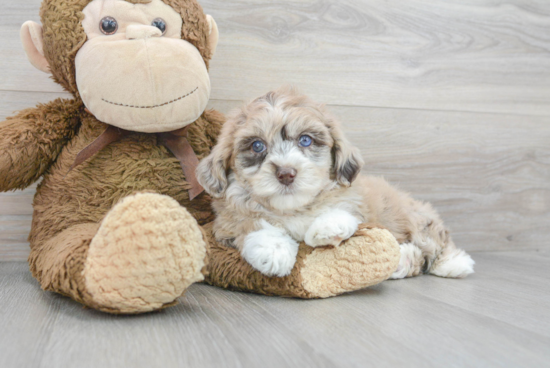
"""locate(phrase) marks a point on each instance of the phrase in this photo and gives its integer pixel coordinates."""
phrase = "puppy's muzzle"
(286, 175)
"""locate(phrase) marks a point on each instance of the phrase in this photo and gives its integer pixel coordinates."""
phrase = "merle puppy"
(283, 172)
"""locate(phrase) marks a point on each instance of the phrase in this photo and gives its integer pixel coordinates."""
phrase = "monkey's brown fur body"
(118, 233)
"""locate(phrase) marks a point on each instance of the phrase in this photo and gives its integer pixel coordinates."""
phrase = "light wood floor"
(498, 317)
(450, 100)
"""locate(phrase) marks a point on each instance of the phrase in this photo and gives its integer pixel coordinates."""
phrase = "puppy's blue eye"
(258, 146)
(305, 141)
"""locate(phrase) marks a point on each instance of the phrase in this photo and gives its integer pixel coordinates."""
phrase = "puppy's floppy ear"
(347, 160)
(211, 172)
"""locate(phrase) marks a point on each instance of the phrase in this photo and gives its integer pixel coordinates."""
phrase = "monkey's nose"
(286, 175)
(136, 32)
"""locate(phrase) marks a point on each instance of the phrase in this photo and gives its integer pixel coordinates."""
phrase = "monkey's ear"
(31, 37)
(214, 34)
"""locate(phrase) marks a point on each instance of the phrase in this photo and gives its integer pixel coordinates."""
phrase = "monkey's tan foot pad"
(366, 259)
(146, 253)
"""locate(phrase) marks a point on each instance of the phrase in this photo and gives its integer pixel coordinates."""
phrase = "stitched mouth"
(152, 106)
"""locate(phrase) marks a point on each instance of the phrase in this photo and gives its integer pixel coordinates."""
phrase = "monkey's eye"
(258, 146)
(305, 141)
(160, 24)
(108, 25)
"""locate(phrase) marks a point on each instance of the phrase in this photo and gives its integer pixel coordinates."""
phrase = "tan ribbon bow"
(176, 141)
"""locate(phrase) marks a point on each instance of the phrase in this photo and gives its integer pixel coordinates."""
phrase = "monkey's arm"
(31, 141)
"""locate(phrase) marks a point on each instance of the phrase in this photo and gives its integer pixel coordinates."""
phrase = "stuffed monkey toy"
(120, 222)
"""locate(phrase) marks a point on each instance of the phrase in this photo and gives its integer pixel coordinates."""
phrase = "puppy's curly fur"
(283, 172)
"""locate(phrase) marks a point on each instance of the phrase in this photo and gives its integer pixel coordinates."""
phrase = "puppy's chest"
(296, 226)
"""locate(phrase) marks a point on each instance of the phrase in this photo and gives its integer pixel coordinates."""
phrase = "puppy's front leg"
(270, 250)
(331, 228)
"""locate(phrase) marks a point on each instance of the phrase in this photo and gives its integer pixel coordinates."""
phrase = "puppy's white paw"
(454, 263)
(331, 228)
(410, 254)
(270, 251)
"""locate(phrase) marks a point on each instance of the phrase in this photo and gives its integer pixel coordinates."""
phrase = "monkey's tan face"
(135, 71)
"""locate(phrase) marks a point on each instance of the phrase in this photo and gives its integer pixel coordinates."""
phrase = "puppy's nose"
(286, 175)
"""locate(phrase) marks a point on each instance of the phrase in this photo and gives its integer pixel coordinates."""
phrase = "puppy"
(283, 172)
